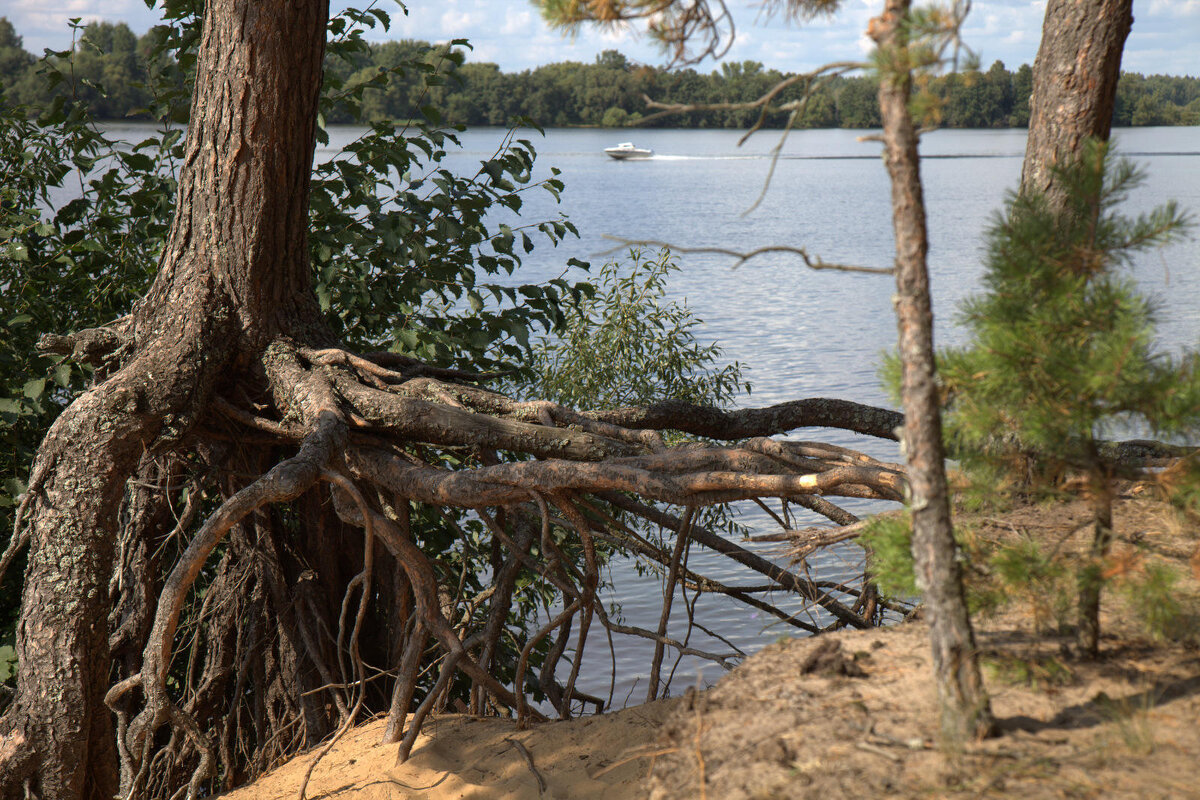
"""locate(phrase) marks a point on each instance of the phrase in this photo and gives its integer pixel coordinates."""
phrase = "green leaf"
(8, 662)
(62, 375)
(35, 388)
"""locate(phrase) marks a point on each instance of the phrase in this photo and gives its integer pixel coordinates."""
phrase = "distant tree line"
(112, 65)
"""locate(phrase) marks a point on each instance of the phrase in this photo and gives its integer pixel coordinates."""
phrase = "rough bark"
(58, 718)
(965, 712)
(234, 274)
(1074, 86)
(708, 421)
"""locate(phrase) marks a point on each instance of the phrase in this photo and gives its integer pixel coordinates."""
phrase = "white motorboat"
(627, 150)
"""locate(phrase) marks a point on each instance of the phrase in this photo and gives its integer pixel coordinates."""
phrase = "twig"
(879, 751)
(346, 485)
(231, 411)
(529, 761)
(699, 754)
(681, 540)
(812, 262)
(623, 761)
(762, 102)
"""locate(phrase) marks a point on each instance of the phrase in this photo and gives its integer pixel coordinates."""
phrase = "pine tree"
(1063, 349)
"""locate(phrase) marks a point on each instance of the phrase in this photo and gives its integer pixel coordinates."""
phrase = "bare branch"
(814, 263)
(763, 102)
(286, 481)
(436, 423)
(743, 556)
(716, 423)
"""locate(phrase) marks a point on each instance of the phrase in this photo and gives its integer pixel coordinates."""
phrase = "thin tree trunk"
(1090, 578)
(965, 712)
(1074, 86)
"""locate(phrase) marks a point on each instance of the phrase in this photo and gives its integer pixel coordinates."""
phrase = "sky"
(511, 33)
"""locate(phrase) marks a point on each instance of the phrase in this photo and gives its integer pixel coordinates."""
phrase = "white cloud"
(454, 22)
(517, 22)
(614, 36)
(1175, 8)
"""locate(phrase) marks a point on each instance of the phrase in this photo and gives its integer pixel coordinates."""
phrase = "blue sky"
(1165, 38)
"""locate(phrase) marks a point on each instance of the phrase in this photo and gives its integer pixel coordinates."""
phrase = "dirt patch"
(847, 715)
(1122, 726)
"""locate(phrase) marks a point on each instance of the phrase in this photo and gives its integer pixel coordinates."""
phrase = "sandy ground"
(457, 757)
(846, 715)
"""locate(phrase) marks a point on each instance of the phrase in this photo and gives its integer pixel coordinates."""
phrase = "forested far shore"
(112, 66)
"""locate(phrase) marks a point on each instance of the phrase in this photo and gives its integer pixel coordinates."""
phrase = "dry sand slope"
(843, 715)
(458, 757)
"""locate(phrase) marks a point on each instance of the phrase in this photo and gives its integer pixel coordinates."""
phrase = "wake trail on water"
(835, 157)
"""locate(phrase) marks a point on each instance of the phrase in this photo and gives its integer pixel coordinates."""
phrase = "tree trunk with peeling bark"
(224, 394)
(965, 712)
(1075, 79)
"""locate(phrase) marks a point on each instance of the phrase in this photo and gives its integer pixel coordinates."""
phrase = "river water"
(800, 333)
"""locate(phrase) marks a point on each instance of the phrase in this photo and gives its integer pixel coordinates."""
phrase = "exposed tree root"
(266, 600)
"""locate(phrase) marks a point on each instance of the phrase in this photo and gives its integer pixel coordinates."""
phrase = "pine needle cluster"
(1063, 353)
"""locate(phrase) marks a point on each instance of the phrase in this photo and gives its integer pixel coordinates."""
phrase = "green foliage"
(994, 577)
(1062, 354)
(407, 256)
(1062, 346)
(888, 542)
(8, 662)
(1153, 593)
(403, 264)
(1028, 573)
(1046, 672)
(628, 345)
(67, 264)
(116, 75)
(401, 247)
(1181, 483)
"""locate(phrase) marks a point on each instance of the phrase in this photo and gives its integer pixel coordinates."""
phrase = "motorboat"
(627, 150)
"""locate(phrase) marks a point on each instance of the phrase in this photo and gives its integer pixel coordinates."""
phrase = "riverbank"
(848, 714)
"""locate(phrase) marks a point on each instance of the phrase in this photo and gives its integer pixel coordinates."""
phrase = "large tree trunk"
(965, 712)
(58, 723)
(234, 276)
(1074, 86)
